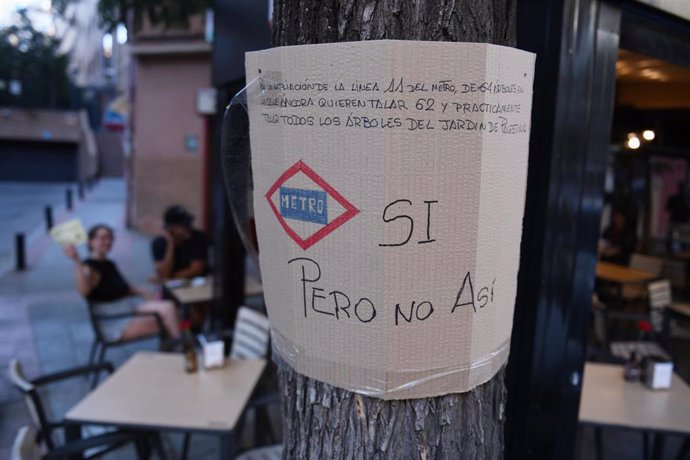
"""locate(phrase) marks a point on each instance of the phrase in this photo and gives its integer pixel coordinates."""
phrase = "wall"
(111, 158)
(164, 172)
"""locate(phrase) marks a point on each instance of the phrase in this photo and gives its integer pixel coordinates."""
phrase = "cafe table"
(609, 401)
(680, 308)
(191, 294)
(152, 391)
(620, 274)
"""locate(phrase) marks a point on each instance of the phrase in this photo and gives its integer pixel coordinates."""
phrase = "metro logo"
(305, 204)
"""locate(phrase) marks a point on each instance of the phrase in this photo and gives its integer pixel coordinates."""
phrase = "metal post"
(68, 199)
(49, 217)
(20, 251)
(80, 189)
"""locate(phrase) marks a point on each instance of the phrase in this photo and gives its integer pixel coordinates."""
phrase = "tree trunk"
(322, 421)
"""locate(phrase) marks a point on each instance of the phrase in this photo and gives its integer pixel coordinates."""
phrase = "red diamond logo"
(304, 204)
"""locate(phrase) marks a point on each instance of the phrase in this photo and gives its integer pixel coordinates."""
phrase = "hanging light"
(633, 141)
(648, 135)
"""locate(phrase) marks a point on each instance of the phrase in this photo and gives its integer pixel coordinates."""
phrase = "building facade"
(168, 137)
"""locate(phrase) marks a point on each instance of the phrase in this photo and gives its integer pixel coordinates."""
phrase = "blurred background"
(111, 115)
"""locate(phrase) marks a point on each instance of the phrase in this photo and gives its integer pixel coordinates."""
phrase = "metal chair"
(250, 340)
(27, 442)
(659, 298)
(649, 264)
(101, 341)
(274, 452)
(26, 446)
(250, 337)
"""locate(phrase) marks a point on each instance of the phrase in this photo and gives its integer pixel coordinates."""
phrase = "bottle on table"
(190, 359)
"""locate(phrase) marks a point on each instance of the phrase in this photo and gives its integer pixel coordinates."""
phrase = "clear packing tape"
(312, 301)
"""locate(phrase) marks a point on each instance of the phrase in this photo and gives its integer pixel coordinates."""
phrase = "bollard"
(49, 217)
(68, 198)
(20, 251)
(80, 189)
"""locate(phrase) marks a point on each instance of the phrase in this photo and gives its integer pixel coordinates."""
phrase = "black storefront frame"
(577, 43)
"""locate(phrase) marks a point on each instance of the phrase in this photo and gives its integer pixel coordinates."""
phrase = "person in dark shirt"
(181, 251)
(619, 239)
(679, 213)
(101, 283)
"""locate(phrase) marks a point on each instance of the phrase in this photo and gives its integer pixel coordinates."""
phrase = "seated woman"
(99, 280)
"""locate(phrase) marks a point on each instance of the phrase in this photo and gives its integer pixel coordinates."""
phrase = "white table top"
(194, 294)
(621, 274)
(152, 390)
(607, 399)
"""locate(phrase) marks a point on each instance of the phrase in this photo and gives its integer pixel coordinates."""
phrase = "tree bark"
(302, 22)
(322, 421)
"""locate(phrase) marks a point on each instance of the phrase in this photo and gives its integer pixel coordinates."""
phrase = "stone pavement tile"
(12, 416)
(16, 341)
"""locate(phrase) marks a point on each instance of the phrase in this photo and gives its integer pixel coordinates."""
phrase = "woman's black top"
(112, 285)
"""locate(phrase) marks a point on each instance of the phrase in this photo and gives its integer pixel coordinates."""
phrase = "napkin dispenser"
(212, 352)
(658, 371)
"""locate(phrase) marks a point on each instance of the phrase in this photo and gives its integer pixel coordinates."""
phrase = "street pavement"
(44, 321)
(22, 207)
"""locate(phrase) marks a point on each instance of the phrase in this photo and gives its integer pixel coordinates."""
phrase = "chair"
(250, 340)
(26, 446)
(251, 335)
(660, 298)
(101, 342)
(274, 452)
(659, 295)
(649, 264)
(27, 440)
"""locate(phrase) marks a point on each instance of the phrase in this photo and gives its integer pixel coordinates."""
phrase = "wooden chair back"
(650, 264)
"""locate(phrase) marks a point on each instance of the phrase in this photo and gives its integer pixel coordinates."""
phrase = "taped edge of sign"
(435, 381)
(237, 168)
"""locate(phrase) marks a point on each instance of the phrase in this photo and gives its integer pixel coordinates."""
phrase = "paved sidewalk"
(43, 320)
(22, 210)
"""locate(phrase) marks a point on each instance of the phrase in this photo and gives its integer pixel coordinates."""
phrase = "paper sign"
(389, 181)
(69, 232)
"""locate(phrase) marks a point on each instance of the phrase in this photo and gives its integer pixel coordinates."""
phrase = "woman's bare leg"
(148, 325)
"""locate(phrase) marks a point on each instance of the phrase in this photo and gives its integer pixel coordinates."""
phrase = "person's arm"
(86, 279)
(199, 255)
(164, 265)
(196, 268)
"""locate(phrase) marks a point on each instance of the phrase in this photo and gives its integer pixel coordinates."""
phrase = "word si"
(389, 216)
